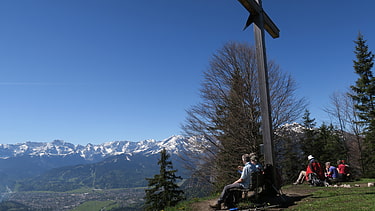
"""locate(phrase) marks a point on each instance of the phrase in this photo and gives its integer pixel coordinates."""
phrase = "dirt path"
(203, 205)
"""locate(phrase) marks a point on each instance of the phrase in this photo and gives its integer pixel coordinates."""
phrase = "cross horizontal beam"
(253, 7)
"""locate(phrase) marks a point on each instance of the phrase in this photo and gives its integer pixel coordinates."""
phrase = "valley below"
(128, 198)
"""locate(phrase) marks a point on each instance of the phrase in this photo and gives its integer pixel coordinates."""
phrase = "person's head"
(328, 164)
(310, 157)
(254, 159)
(245, 158)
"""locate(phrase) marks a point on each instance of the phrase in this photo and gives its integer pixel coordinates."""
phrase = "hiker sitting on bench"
(243, 182)
(254, 161)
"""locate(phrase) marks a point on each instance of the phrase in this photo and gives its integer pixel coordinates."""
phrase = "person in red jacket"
(314, 168)
(343, 170)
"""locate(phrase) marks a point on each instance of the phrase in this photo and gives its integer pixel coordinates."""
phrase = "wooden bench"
(256, 186)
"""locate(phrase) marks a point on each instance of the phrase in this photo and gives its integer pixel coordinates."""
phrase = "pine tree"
(364, 88)
(308, 142)
(163, 190)
(331, 145)
(239, 135)
(289, 158)
(364, 98)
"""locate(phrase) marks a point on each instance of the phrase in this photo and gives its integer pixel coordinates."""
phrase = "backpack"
(314, 180)
(316, 167)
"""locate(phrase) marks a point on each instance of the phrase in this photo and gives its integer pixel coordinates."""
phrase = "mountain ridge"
(35, 162)
(34, 159)
(172, 144)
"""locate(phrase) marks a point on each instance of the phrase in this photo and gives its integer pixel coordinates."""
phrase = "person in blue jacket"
(243, 182)
(331, 173)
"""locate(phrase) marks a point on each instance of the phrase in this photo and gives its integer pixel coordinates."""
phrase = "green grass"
(322, 198)
(364, 180)
(340, 198)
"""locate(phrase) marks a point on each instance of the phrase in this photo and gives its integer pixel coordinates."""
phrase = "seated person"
(242, 182)
(331, 173)
(343, 170)
(254, 161)
(314, 169)
(257, 179)
(301, 178)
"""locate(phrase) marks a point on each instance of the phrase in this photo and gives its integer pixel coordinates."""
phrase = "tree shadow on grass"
(280, 201)
(285, 201)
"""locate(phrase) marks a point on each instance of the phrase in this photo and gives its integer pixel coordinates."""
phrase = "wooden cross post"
(262, 21)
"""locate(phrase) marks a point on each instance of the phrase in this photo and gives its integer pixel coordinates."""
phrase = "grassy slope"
(339, 198)
(320, 198)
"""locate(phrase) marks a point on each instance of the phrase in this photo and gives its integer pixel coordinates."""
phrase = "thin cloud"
(29, 84)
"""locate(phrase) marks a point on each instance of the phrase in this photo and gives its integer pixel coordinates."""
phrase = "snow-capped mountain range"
(46, 161)
(173, 144)
(31, 159)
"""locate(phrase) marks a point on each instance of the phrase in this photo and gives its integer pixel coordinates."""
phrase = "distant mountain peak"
(295, 127)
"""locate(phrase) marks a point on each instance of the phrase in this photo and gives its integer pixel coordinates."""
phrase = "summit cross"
(262, 22)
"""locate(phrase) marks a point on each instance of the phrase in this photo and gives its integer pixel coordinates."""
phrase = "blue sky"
(93, 71)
